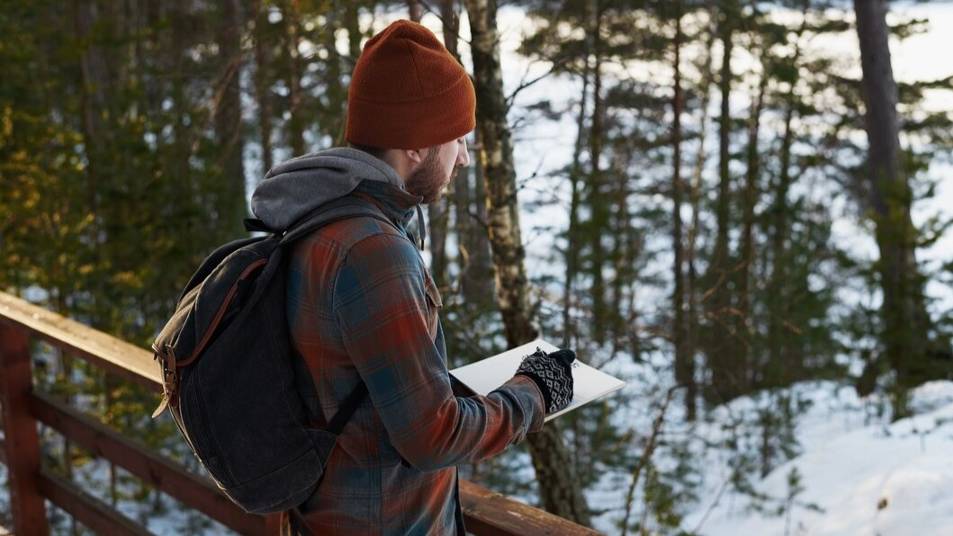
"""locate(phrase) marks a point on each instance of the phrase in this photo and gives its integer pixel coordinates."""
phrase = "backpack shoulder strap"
(213, 260)
(347, 409)
(340, 209)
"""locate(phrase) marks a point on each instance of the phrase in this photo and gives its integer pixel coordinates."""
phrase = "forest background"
(735, 205)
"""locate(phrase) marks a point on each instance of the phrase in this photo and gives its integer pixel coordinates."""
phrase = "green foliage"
(115, 183)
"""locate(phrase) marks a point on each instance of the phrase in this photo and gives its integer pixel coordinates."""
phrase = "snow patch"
(859, 475)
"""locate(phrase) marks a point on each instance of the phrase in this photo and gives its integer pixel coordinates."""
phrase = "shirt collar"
(398, 205)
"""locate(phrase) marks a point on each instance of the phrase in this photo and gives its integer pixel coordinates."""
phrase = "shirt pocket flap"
(433, 295)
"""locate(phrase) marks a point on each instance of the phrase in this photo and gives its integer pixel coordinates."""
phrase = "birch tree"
(559, 490)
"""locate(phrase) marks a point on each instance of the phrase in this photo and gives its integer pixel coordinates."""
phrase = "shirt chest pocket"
(434, 304)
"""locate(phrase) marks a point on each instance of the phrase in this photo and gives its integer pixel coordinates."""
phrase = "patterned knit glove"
(553, 374)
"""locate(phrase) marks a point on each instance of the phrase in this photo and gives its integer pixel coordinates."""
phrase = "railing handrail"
(486, 512)
(115, 355)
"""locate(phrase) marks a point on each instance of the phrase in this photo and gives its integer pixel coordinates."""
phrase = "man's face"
(437, 169)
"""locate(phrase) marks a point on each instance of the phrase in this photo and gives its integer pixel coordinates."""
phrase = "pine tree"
(906, 326)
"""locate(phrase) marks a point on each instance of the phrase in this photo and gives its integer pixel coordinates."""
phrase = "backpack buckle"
(169, 380)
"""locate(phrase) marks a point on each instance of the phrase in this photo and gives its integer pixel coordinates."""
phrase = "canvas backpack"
(236, 388)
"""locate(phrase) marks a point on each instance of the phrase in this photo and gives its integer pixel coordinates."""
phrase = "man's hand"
(553, 374)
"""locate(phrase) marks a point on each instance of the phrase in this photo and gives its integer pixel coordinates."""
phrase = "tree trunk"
(449, 13)
(497, 162)
(334, 101)
(474, 259)
(263, 84)
(627, 242)
(559, 490)
(460, 188)
(747, 258)
(778, 347)
(352, 21)
(481, 267)
(780, 356)
(905, 329)
(684, 361)
(718, 340)
(179, 162)
(438, 218)
(96, 104)
(438, 212)
(415, 11)
(596, 198)
(694, 193)
(572, 233)
(295, 68)
(462, 201)
(476, 266)
(230, 190)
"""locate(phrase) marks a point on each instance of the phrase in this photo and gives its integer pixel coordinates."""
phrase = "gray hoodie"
(295, 187)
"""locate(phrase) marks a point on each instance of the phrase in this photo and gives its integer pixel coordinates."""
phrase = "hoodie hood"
(295, 187)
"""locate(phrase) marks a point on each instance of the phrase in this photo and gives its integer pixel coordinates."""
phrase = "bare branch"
(646, 455)
(528, 83)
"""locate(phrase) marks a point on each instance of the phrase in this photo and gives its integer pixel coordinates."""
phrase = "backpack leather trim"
(220, 313)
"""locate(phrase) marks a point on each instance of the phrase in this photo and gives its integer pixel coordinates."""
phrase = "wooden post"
(22, 445)
(273, 524)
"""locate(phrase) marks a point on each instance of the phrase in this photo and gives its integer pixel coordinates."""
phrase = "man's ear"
(415, 155)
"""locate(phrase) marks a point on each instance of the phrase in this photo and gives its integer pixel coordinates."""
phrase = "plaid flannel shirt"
(363, 307)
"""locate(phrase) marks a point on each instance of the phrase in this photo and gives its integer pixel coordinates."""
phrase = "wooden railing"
(30, 483)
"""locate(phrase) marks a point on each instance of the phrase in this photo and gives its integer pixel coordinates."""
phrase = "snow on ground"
(859, 474)
(5, 520)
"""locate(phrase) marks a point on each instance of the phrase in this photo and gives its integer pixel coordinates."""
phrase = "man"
(363, 307)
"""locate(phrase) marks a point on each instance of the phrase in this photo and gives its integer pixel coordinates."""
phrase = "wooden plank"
(87, 509)
(165, 475)
(3, 446)
(274, 524)
(488, 513)
(21, 443)
(115, 355)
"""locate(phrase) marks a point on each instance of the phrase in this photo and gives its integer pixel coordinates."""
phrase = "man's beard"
(427, 180)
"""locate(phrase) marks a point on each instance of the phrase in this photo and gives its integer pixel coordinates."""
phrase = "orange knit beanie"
(408, 92)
